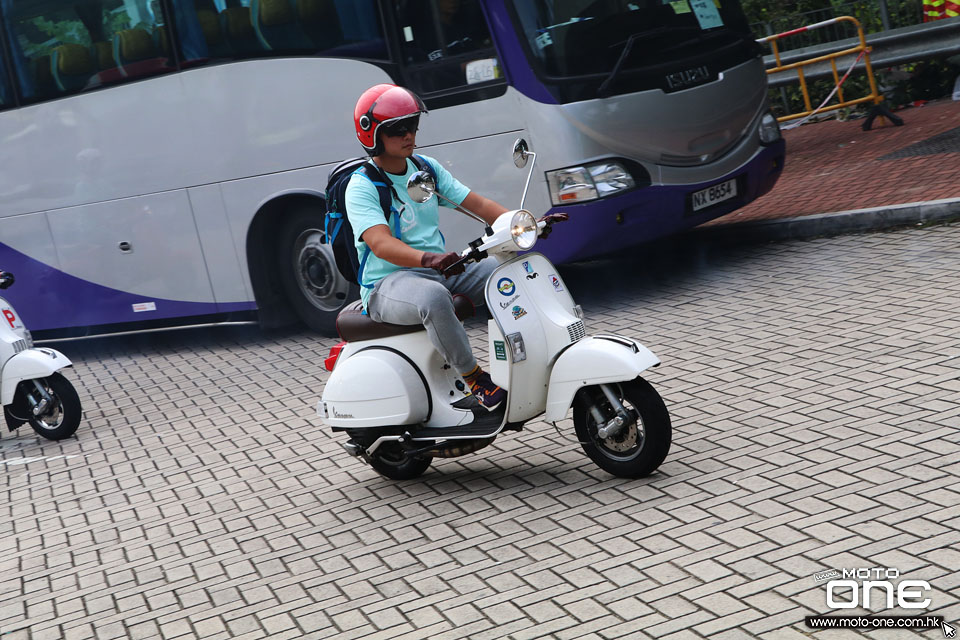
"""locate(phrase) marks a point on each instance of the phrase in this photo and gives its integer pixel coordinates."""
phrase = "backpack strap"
(385, 192)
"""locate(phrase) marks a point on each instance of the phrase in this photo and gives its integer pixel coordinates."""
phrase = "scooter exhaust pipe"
(352, 448)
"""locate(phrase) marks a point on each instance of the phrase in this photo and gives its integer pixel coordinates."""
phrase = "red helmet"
(381, 104)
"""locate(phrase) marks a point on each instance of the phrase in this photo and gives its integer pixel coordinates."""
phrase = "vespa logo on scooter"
(505, 286)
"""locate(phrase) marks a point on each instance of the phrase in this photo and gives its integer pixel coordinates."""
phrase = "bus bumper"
(602, 226)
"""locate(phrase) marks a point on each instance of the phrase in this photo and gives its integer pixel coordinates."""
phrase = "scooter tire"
(66, 408)
(389, 461)
(622, 456)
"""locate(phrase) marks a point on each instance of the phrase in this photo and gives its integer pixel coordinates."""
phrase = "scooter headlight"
(523, 229)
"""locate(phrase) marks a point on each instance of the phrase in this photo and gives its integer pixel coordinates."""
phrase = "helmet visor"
(401, 127)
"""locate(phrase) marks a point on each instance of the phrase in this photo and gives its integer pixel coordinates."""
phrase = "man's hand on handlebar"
(443, 263)
(548, 221)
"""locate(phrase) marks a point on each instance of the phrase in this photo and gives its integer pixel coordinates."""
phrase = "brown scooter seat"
(353, 325)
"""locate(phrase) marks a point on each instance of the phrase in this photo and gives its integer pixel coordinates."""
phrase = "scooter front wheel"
(390, 461)
(61, 418)
(641, 446)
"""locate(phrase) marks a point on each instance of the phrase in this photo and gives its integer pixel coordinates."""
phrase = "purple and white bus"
(164, 161)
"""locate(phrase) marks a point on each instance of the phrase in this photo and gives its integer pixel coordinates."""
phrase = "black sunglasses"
(400, 128)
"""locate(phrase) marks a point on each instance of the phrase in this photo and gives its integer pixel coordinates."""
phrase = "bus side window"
(235, 29)
(446, 44)
(61, 47)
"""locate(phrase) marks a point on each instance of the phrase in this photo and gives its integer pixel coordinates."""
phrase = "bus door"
(448, 58)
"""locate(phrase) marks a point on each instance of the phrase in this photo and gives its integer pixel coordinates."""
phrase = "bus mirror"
(520, 153)
(421, 186)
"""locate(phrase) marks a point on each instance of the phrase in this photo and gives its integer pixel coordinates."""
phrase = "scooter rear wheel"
(641, 447)
(62, 417)
(389, 461)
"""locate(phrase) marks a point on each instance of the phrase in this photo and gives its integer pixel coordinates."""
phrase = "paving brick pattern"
(835, 166)
(815, 393)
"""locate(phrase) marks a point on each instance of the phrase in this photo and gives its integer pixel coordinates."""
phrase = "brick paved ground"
(835, 166)
(815, 392)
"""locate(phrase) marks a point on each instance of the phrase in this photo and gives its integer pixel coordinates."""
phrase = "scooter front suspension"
(39, 406)
(613, 427)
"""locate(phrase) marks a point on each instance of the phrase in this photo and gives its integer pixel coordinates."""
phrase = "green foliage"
(781, 16)
(58, 32)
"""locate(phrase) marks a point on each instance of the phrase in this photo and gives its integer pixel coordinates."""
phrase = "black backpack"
(336, 225)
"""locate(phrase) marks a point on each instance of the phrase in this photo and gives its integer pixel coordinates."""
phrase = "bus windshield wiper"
(604, 89)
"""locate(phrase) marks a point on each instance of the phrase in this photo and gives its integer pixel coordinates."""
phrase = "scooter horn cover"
(381, 104)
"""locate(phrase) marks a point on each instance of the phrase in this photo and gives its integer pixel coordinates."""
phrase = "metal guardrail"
(888, 48)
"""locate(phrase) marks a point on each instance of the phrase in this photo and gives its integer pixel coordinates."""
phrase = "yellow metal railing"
(861, 50)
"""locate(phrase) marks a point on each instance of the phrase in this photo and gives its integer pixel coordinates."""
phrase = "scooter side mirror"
(421, 186)
(521, 151)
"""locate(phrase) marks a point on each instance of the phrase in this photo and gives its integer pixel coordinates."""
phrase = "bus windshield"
(590, 37)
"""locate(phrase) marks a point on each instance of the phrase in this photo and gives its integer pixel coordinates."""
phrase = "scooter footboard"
(28, 365)
(594, 360)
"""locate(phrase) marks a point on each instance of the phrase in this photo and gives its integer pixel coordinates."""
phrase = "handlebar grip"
(457, 264)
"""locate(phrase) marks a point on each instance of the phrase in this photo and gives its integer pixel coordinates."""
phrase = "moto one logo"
(856, 586)
(688, 77)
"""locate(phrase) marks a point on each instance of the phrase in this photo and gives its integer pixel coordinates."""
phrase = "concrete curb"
(833, 224)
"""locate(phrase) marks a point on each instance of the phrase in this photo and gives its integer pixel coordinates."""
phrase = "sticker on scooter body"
(12, 318)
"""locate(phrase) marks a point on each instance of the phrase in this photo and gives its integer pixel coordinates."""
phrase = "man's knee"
(435, 301)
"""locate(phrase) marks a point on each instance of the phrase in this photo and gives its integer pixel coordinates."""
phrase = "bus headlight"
(523, 229)
(589, 182)
(769, 129)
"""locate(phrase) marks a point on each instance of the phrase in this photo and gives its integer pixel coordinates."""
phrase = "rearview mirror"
(520, 153)
(421, 186)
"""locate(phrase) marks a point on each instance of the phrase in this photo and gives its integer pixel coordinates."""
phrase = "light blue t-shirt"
(419, 224)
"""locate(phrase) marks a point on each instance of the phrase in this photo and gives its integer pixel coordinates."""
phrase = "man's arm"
(386, 247)
(483, 207)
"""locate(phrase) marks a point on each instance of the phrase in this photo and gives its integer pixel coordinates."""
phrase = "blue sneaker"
(488, 394)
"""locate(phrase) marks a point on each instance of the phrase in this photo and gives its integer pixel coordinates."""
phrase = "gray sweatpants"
(423, 296)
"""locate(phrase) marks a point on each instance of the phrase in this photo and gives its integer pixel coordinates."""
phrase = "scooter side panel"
(593, 361)
(28, 365)
(525, 303)
(441, 382)
(375, 387)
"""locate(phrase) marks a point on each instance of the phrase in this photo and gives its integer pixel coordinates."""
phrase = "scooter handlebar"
(462, 260)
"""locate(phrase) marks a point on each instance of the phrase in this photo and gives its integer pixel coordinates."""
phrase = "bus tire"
(308, 272)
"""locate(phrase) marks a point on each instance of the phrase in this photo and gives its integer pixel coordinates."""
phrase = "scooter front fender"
(27, 365)
(594, 360)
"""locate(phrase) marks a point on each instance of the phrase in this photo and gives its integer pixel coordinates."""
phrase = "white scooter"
(31, 388)
(401, 405)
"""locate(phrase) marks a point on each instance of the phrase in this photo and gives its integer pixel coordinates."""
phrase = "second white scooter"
(32, 389)
(401, 405)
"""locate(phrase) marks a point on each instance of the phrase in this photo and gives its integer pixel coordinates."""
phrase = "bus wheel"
(309, 274)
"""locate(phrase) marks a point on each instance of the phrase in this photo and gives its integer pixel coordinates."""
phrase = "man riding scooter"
(410, 278)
